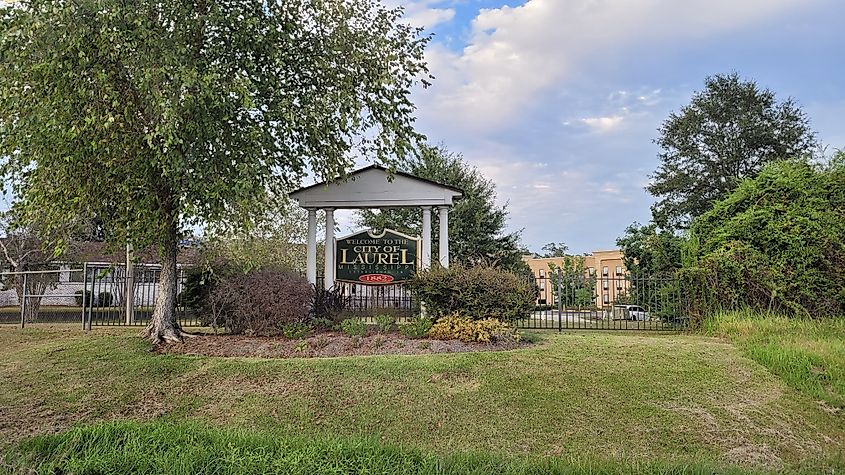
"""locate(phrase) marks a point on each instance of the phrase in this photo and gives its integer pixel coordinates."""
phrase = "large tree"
(157, 117)
(727, 133)
(476, 223)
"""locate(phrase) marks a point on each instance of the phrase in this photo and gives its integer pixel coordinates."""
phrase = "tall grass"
(809, 354)
(162, 448)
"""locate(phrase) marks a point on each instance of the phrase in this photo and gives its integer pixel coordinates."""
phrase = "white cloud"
(514, 53)
(424, 13)
(603, 124)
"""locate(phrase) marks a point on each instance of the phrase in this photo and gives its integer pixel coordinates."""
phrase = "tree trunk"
(163, 325)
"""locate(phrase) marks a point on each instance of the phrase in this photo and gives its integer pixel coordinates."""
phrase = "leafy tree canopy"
(727, 133)
(476, 223)
(648, 251)
(554, 249)
(158, 116)
(778, 241)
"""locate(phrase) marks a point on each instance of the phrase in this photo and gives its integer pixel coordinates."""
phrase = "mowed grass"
(595, 398)
(809, 354)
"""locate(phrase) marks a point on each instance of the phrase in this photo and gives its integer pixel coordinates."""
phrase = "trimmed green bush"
(416, 327)
(476, 292)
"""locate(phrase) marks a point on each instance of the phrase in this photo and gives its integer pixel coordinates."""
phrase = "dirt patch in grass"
(324, 344)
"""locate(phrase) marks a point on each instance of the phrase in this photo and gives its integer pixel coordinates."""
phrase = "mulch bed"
(324, 344)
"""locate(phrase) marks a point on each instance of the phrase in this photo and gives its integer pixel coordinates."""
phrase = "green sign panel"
(366, 258)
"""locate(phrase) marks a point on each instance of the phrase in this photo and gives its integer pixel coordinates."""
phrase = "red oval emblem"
(376, 278)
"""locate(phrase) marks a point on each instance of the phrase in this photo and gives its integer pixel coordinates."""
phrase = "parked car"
(630, 312)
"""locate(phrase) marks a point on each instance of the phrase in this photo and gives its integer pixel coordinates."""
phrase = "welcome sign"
(367, 258)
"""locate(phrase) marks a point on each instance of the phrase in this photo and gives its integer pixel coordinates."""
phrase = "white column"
(328, 278)
(443, 250)
(311, 249)
(426, 238)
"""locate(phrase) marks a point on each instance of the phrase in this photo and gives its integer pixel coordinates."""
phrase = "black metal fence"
(567, 301)
(92, 295)
(96, 295)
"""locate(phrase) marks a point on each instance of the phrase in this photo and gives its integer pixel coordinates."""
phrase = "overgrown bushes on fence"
(476, 292)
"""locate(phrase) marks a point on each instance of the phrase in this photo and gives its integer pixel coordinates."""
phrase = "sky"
(558, 101)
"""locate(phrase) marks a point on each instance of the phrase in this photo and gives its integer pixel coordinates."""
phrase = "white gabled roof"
(375, 187)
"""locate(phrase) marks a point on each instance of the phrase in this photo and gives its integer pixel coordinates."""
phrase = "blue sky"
(558, 101)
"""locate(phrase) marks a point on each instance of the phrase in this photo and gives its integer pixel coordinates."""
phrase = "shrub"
(416, 327)
(262, 302)
(475, 292)
(487, 330)
(329, 304)
(295, 331)
(354, 327)
(78, 297)
(385, 322)
(105, 299)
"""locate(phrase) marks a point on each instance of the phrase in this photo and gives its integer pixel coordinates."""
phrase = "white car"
(630, 312)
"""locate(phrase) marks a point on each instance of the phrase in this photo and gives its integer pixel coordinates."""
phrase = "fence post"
(23, 301)
(84, 292)
(91, 300)
(559, 300)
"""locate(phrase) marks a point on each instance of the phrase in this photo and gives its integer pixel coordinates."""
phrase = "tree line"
(750, 212)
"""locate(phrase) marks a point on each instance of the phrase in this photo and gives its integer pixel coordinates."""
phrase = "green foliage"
(295, 331)
(477, 292)
(571, 284)
(649, 251)
(416, 327)
(777, 242)
(727, 133)
(354, 327)
(385, 322)
(476, 223)
(157, 117)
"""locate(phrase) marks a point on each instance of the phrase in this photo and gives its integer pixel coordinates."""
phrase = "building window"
(542, 272)
(592, 270)
(618, 285)
(542, 285)
(605, 284)
(604, 270)
(606, 298)
(618, 270)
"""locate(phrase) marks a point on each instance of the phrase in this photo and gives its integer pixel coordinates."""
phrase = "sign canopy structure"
(375, 187)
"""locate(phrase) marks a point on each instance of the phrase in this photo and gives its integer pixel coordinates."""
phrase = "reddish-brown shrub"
(261, 302)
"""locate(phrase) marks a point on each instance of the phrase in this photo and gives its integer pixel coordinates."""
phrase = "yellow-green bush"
(486, 330)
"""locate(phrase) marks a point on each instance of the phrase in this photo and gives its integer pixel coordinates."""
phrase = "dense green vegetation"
(809, 354)
(616, 400)
(157, 448)
(776, 243)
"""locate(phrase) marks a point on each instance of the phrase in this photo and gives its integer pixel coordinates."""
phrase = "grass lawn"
(568, 405)
(808, 354)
